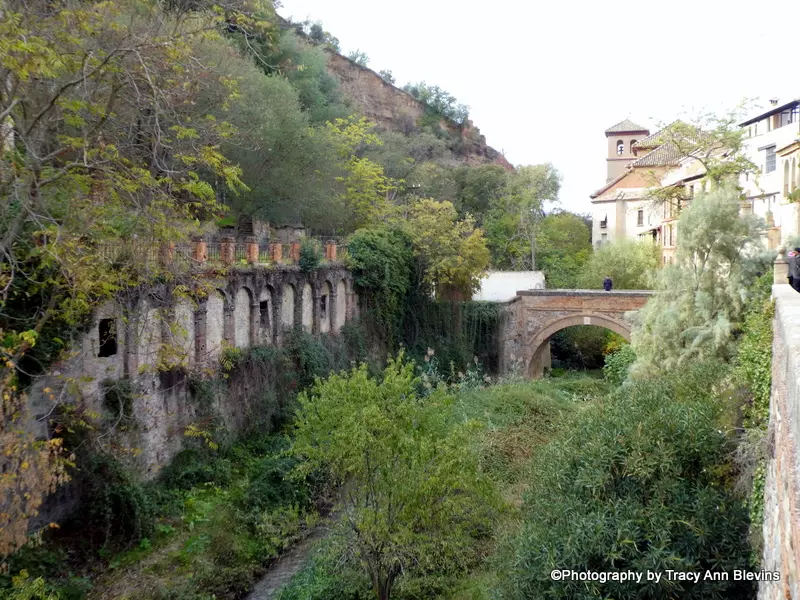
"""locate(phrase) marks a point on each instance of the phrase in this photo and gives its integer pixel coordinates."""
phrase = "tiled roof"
(664, 155)
(609, 184)
(624, 194)
(626, 126)
(655, 140)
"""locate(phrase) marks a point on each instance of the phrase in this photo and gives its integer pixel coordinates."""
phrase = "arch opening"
(540, 346)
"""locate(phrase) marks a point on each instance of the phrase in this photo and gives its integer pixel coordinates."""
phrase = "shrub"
(310, 255)
(639, 482)
(618, 363)
(194, 467)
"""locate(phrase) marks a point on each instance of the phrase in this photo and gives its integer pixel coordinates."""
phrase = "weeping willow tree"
(700, 299)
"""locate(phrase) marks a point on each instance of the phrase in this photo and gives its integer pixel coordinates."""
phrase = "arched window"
(632, 143)
(620, 147)
(786, 175)
(795, 175)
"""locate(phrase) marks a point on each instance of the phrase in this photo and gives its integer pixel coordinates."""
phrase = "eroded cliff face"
(396, 110)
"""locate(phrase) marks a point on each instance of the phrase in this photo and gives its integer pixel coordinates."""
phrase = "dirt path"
(287, 566)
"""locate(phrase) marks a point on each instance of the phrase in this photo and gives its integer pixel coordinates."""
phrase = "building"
(637, 166)
(771, 143)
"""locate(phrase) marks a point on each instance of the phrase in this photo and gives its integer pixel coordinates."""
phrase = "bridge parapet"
(534, 316)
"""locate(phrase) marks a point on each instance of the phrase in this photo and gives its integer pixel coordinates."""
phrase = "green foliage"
(381, 262)
(618, 363)
(638, 482)
(479, 189)
(753, 373)
(580, 347)
(387, 76)
(115, 510)
(118, 398)
(700, 300)
(630, 264)
(359, 57)
(513, 223)
(564, 246)
(438, 101)
(414, 496)
(25, 588)
(310, 255)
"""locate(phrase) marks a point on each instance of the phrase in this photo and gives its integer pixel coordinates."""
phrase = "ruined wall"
(781, 493)
(393, 109)
(246, 309)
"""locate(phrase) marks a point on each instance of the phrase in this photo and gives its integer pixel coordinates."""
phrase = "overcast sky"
(543, 80)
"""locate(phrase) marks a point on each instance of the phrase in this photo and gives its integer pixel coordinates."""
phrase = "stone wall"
(781, 517)
(246, 309)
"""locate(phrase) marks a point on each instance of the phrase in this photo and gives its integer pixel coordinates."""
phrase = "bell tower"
(621, 138)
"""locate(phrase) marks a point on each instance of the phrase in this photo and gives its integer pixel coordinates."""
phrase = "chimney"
(773, 101)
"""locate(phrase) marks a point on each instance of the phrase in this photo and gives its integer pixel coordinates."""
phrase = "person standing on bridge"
(607, 283)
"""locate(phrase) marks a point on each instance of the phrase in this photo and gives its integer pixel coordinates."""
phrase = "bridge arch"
(541, 340)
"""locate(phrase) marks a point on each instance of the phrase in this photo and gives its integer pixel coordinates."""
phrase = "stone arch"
(326, 308)
(242, 315)
(147, 332)
(288, 295)
(307, 314)
(266, 315)
(539, 345)
(341, 305)
(215, 323)
(182, 330)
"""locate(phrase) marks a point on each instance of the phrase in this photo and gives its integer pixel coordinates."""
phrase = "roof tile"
(626, 126)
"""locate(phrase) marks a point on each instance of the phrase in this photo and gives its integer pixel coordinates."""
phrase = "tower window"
(263, 309)
(108, 338)
(620, 147)
(632, 143)
(640, 217)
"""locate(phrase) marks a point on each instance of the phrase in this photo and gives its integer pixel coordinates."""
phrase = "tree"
(366, 192)
(480, 188)
(631, 265)
(639, 481)
(411, 491)
(387, 76)
(564, 247)
(699, 301)
(452, 252)
(439, 101)
(359, 57)
(105, 144)
(513, 223)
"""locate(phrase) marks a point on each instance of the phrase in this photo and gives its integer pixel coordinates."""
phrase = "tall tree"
(411, 490)
(699, 301)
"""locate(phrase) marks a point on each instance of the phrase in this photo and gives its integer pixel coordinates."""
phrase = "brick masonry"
(533, 316)
(781, 519)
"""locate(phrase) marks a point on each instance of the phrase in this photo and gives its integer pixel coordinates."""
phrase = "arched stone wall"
(341, 305)
(326, 307)
(540, 344)
(287, 306)
(183, 330)
(215, 324)
(266, 316)
(242, 317)
(307, 315)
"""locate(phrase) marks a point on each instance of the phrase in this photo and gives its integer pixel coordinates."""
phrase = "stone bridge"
(533, 316)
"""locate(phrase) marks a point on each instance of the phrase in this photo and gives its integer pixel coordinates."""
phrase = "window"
(603, 238)
(604, 223)
(770, 159)
(691, 191)
(108, 338)
(640, 217)
(323, 307)
(632, 143)
(263, 309)
(620, 147)
(755, 129)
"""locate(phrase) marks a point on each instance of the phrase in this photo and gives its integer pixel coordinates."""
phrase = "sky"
(543, 80)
